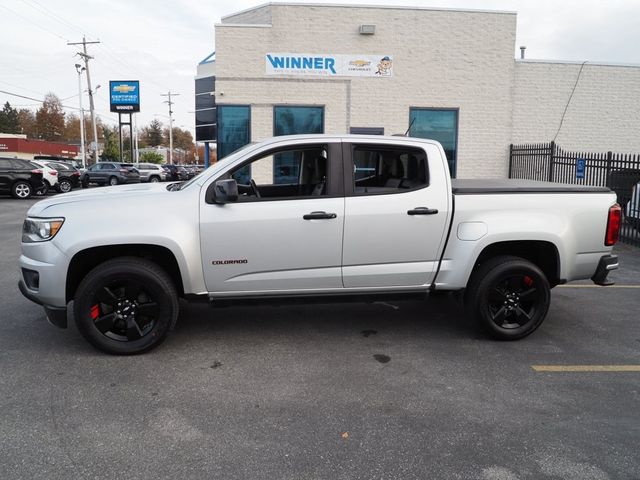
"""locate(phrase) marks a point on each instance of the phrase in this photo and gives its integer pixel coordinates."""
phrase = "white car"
(49, 175)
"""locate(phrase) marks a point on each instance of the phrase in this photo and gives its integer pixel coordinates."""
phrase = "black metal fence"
(620, 172)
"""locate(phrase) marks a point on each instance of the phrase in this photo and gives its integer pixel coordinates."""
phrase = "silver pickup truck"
(307, 218)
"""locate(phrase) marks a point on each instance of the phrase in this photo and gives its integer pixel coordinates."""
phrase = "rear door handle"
(319, 216)
(423, 211)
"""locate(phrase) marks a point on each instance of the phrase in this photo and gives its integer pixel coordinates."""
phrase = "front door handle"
(319, 216)
(423, 211)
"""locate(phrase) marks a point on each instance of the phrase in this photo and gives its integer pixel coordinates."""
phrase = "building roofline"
(577, 62)
(379, 7)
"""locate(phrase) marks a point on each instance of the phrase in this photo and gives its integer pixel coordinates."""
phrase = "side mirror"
(224, 191)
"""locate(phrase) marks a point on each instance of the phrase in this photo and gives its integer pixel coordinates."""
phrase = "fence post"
(510, 160)
(552, 154)
(609, 158)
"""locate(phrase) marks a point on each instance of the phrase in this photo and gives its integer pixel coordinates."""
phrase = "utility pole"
(80, 69)
(86, 57)
(169, 102)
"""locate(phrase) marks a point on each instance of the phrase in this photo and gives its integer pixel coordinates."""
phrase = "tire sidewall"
(113, 181)
(157, 284)
(63, 188)
(495, 276)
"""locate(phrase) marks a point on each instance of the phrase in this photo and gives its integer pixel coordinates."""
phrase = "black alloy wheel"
(126, 306)
(509, 297)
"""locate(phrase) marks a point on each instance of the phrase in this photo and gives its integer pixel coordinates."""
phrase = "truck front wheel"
(126, 306)
(508, 296)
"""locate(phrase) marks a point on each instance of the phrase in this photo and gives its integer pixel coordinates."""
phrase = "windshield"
(216, 167)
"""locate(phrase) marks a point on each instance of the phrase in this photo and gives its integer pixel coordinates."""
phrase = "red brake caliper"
(528, 281)
(95, 312)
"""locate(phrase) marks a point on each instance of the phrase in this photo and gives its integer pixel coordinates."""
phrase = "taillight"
(54, 173)
(37, 171)
(75, 174)
(124, 170)
(613, 225)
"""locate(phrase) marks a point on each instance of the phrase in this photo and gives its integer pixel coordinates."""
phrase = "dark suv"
(68, 176)
(175, 173)
(110, 173)
(20, 178)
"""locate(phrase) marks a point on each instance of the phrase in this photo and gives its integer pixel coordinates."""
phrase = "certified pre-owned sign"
(124, 96)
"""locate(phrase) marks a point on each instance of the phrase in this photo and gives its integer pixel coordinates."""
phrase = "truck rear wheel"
(508, 296)
(126, 306)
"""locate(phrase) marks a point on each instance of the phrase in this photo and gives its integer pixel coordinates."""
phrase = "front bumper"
(56, 315)
(606, 264)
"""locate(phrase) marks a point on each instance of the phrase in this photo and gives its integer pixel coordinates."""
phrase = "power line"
(28, 20)
(34, 99)
(566, 107)
(51, 14)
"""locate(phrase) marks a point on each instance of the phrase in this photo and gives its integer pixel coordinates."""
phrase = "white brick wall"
(448, 59)
(604, 113)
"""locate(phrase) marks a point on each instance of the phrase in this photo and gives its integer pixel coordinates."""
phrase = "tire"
(126, 306)
(154, 179)
(21, 190)
(44, 190)
(64, 186)
(508, 297)
(113, 181)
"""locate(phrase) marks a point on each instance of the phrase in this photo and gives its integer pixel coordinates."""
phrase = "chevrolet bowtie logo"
(124, 88)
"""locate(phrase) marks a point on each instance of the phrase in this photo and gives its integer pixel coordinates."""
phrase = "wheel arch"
(85, 260)
(541, 253)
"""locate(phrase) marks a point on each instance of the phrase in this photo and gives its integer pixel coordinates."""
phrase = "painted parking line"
(598, 286)
(586, 368)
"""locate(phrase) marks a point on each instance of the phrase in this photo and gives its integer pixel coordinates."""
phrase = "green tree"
(151, 157)
(27, 120)
(9, 122)
(50, 118)
(152, 134)
(111, 151)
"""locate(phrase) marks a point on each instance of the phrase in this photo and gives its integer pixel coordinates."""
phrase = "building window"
(296, 120)
(440, 125)
(234, 128)
(288, 120)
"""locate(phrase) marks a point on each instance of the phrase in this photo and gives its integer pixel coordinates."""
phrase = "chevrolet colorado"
(313, 217)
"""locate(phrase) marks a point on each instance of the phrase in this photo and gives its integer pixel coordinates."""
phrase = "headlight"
(40, 229)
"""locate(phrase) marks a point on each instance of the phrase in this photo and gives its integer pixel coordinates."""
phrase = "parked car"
(175, 173)
(56, 158)
(110, 173)
(68, 176)
(373, 216)
(191, 171)
(151, 172)
(49, 175)
(19, 178)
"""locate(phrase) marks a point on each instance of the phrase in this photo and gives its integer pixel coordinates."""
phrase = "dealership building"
(449, 75)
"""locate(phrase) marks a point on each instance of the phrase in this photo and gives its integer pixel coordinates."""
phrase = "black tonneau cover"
(498, 186)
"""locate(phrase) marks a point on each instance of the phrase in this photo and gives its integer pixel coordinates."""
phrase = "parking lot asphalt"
(406, 390)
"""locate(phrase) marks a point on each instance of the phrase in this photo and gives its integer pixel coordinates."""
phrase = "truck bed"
(500, 186)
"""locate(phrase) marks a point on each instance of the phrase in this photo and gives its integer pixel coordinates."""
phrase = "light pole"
(80, 69)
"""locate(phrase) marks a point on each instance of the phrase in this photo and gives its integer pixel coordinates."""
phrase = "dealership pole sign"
(380, 66)
(124, 96)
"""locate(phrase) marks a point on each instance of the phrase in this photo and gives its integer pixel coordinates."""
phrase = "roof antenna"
(410, 125)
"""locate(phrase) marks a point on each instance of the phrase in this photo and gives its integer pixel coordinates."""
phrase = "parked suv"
(151, 172)
(68, 176)
(110, 173)
(49, 175)
(20, 178)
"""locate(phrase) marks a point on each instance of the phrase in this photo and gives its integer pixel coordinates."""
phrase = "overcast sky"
(160, 43)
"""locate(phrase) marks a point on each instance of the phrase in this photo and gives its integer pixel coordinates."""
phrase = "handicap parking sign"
(580, 166)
